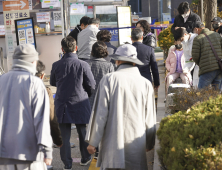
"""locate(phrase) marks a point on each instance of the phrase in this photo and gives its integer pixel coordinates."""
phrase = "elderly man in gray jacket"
(123, 119)
(86, 39)
(25, 139)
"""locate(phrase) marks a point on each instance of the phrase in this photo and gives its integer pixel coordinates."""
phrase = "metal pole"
(63, 32)
(138, 6)
(94, 11)
(201, 12)
(149, 7)
(161, 9)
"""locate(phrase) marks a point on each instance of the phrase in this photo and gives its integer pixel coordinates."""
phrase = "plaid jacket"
(99, 68)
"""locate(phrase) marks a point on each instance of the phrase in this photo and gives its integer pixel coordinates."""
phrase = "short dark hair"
(40, 67)
(145, 25)
(68, 44)
(104, 35)
(99, 50)
(179, 33)
(184, 7)
(84, 20)
(94, 21)
(136, 34)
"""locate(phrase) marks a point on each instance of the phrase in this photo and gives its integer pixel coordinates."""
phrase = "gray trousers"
(32, 166)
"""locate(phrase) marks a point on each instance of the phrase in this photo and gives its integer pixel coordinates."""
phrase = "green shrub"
(191, 140)
(183, 99)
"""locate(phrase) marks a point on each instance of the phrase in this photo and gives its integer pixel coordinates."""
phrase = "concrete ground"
(151, 155)
(160, 111)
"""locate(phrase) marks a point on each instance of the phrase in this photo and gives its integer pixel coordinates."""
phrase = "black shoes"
(68, 167)
(85, 162)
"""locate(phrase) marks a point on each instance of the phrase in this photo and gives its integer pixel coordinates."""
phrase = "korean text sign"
(13, 10)
(25, 31)
(43, 17)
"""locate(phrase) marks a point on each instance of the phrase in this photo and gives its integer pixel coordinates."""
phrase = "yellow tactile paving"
(93, 165)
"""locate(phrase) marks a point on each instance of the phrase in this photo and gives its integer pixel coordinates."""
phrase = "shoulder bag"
(215, 53)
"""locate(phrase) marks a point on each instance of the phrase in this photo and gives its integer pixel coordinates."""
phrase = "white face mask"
(184, 15)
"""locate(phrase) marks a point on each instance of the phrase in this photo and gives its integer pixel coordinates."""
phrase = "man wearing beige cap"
(123, 119)
(25, 139)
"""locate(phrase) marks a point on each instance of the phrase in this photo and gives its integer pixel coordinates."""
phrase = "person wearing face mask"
(187, 41)
(204, 57)
(186, 18)
(216, 23)
(175, 65)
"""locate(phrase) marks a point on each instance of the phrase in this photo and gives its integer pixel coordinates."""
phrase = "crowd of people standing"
(197, 53)
(110, 89)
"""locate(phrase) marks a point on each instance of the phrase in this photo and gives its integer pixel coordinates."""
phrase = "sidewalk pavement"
(160, 111)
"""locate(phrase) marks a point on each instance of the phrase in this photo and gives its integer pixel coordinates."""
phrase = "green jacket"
(202, 53)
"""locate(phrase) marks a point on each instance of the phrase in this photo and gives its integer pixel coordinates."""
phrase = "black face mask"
(216, 26)
(179, 46)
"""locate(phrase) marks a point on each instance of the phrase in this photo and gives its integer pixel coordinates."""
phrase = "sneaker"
(85, 162)
(69, 167)
(96, 155)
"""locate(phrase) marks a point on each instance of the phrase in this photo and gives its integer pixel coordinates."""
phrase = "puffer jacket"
(149, 39)
(202, 53)
(171, 63)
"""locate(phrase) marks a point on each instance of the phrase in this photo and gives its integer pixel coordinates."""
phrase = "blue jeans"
(213, 78)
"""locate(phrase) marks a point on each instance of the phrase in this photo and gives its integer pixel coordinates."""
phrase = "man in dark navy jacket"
(75, 82)
(146, 55)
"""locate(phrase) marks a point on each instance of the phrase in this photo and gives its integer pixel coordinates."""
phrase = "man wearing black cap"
(217, 22)
(204, 57)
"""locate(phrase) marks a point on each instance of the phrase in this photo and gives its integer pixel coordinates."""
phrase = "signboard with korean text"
(13, 10)
(50, 3)
(25, 31)
(30, 4)
(10, 16)
(2, 30)
(77, 8)
(124, 21)
(43, 17)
